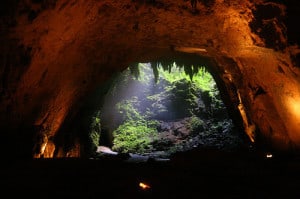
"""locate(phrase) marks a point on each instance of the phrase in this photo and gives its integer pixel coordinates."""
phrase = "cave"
(160, 108)
(59, 57)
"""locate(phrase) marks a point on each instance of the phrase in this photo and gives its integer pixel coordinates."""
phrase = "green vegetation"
(159, 97)
(135, 136)
(90, 129)
(95, 130)
(175, 97)
(126, 109)
(204, 80)
(197, 125)
(136, 132)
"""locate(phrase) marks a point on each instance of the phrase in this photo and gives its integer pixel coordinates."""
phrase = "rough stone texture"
(54, 53)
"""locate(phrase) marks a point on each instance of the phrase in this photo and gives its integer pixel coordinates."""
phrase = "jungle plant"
(135, 136)
(197, 125)
(94, 132)
(136, 133)
(174, 91)
(127, 109)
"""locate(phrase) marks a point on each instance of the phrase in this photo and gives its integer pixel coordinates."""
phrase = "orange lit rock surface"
(74, 46)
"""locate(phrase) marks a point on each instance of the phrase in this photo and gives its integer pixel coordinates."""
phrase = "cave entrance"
(163, 107)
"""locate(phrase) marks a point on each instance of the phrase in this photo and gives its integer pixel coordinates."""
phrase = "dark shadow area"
(197, 174)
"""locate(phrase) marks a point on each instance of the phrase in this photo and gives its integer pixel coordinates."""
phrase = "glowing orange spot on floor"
(144, 186)
(269, 155)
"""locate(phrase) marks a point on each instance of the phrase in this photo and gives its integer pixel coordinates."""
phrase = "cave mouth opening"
(159, 108)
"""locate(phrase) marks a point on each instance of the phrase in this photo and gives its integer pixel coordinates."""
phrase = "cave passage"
(160, 108)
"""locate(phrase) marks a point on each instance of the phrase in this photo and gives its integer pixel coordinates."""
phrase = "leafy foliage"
(197, 125)
(95, 130)
(174, 96)
(175, 92)
(135, 136)
(127, 110)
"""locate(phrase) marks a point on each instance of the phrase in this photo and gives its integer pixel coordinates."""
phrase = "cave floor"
(206, 174)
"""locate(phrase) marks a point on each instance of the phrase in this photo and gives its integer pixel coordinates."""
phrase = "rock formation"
(54, 53)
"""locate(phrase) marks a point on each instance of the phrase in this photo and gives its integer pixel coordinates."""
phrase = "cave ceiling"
(55, 52)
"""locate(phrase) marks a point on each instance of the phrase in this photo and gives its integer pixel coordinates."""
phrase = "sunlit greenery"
(137, 131)
(201, 77)
(149, 95)
(126, 109)
(94, 131)
(172, 73)
(135, 136)
(196, 124)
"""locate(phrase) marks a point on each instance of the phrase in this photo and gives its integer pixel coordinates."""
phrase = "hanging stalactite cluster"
(190, 69)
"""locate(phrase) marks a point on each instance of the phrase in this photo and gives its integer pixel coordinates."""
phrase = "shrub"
(135, 136)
